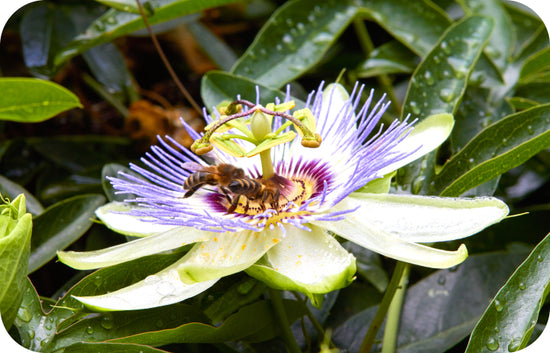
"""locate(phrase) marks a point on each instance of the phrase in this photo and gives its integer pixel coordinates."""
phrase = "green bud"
(15, 237)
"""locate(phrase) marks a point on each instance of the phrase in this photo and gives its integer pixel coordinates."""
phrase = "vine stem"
(393, 286)
(280, 314)
(166, 62)
(389, 342)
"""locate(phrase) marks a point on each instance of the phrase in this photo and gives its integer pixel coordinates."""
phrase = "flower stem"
(278, 308)
(389, 342)
(368, 340)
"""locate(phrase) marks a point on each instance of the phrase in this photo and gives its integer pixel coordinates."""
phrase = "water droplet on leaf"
(492, 344)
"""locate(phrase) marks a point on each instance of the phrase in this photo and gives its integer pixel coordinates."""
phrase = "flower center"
(277, 193)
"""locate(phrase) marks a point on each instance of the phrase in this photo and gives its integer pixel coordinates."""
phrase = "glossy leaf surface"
(30, 100)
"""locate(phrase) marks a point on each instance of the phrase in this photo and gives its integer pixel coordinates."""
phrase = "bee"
(219, 175)
(265, 190)
(233, 183)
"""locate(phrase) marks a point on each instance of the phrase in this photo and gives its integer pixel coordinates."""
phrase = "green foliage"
(485, 62)
(510, 319)
(29, 100)
(15, 236)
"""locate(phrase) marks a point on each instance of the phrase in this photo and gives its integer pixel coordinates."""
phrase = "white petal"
(310, 262)
(153, 244)
(425, 219)
(112, 214)
(426, 136)
(160, 289)
(369, 236)
(227, 253)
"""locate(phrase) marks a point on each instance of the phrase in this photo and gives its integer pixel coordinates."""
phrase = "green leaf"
(106, 347)
(503, 38)
(109, 67)
(416, 24)
(497, 149)
(441, 309)
(128, 5)
(29, 100)
(115, 23)
(15, 236)
(38, 330)
(11, 190)
(440, 80)
(534, 66)
(216, 49)
(253, 319)
(515, 309)
(218, 86)
(389, 58)
(60, 225)
(294, 39)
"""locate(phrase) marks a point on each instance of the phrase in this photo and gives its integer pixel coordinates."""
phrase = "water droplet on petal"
(522, 286)
(165, 288)
(89, 330)
(540, 258)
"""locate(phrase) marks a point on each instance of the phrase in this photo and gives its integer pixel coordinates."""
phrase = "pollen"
(243, 247)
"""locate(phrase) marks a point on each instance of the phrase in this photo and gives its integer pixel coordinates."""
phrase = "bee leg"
(225, 191)
(192, 190)
(234, 204)
(275, 197)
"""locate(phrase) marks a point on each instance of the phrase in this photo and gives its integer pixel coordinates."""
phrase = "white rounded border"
(7, 8)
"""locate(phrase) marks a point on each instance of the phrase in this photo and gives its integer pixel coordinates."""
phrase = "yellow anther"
(312, 142)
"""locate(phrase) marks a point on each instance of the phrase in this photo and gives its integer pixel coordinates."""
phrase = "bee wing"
(192, 166)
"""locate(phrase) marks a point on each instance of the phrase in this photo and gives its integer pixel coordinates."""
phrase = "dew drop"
(497, 330)
(322, 37)
(417, 184)
(31, 334)
(514, 345)
(111, 20)
(48, 326)
(522, 285)
(445, 47)
(159, 323)
(441, 280)
(498, 306)
(429, 78)
(89, 330)
(24, 315)
(98, 281)
(540, 258)
(300, 26)
(289, 22)
(447, 95)
(414, 107)
(252, 56)
(151, 279)
(287, 39)
(471, 161)
(492, 344)
(311, 18)
(530, 129)
(99, 26)
(504, 141)
(165, 288)
(107, 322)
(279, 47)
